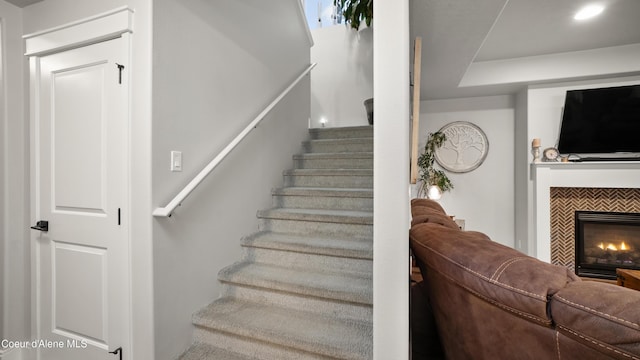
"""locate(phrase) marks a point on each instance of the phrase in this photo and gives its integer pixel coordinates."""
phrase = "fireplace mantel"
(586, 174)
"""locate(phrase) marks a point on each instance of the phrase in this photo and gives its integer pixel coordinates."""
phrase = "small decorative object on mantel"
(550, 155)
(535, 150)
(465, 149)
(433, 182)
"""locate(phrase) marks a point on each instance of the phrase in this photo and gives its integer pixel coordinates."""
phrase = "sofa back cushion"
(435, 218)
(429, 211)
(418, 205)
(496, 273)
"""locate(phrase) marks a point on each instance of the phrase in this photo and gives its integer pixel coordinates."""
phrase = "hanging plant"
(355, 11)
(428, 174)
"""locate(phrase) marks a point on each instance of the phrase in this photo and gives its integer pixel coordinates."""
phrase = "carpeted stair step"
(326, 285)
(312, 262)
(339, 223)
(310, 244)
(323, 306)
(342, 132)
(291, 329)
(200, 351)
(323, 198)
(332, 178)
(339, 145)
(359, 160)
(251, 348)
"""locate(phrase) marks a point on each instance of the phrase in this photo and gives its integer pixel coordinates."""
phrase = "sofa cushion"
(600, 315)
(498, 274)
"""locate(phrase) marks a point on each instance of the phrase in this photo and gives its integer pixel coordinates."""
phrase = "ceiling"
(486, 47)
(463, 38)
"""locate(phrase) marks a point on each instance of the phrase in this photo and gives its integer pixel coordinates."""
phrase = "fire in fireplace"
(606, 241)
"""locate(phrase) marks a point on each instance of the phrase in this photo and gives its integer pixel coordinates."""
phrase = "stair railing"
(179, 198)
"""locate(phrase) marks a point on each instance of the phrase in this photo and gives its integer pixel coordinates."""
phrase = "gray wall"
(14, 181)
(484, 197)
(217, 64)
(344, 75)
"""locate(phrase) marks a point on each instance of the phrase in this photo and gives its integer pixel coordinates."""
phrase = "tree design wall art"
(465, 149)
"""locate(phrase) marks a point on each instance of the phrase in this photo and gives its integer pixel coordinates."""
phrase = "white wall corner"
(14, 183)
(521, 173)
(391, 181)
(302, 17)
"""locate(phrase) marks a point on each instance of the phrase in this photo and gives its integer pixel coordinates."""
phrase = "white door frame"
(117, 23)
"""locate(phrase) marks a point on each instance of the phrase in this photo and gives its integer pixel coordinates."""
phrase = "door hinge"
(120, 68)
(118, 216)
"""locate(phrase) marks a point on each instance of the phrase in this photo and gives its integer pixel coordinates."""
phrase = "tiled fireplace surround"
(564, 203)
(560, 189)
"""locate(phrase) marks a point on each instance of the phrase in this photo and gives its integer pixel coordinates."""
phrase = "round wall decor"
(465, 149)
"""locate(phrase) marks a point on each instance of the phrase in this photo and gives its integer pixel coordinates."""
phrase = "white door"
(81, 263)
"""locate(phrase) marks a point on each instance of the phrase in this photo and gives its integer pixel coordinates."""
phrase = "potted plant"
(368, 107)
(433, 182)
(355, 11)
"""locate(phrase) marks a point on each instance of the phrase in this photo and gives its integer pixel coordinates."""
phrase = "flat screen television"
(601, 124)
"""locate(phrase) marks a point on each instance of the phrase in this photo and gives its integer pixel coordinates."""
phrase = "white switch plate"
(176, 161)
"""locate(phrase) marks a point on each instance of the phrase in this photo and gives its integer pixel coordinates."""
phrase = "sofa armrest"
(603, 316)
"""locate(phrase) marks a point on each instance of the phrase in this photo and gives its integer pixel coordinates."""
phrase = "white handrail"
(177, 200)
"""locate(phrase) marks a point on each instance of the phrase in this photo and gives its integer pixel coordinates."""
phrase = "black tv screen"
(601, 121)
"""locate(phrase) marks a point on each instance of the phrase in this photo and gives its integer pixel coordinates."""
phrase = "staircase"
(303, 289)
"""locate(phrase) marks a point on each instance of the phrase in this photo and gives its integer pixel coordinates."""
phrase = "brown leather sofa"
(482, 300)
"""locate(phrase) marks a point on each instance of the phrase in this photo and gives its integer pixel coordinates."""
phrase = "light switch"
(176, 161)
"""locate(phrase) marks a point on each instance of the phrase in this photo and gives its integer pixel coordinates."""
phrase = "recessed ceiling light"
(588, 12)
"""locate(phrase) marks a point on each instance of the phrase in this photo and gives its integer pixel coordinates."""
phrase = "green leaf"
(428, 174)
(355, 11)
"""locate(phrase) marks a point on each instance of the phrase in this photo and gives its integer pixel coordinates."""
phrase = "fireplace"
(606, 241)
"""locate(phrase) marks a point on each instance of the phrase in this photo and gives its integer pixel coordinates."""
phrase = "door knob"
(41, 225)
